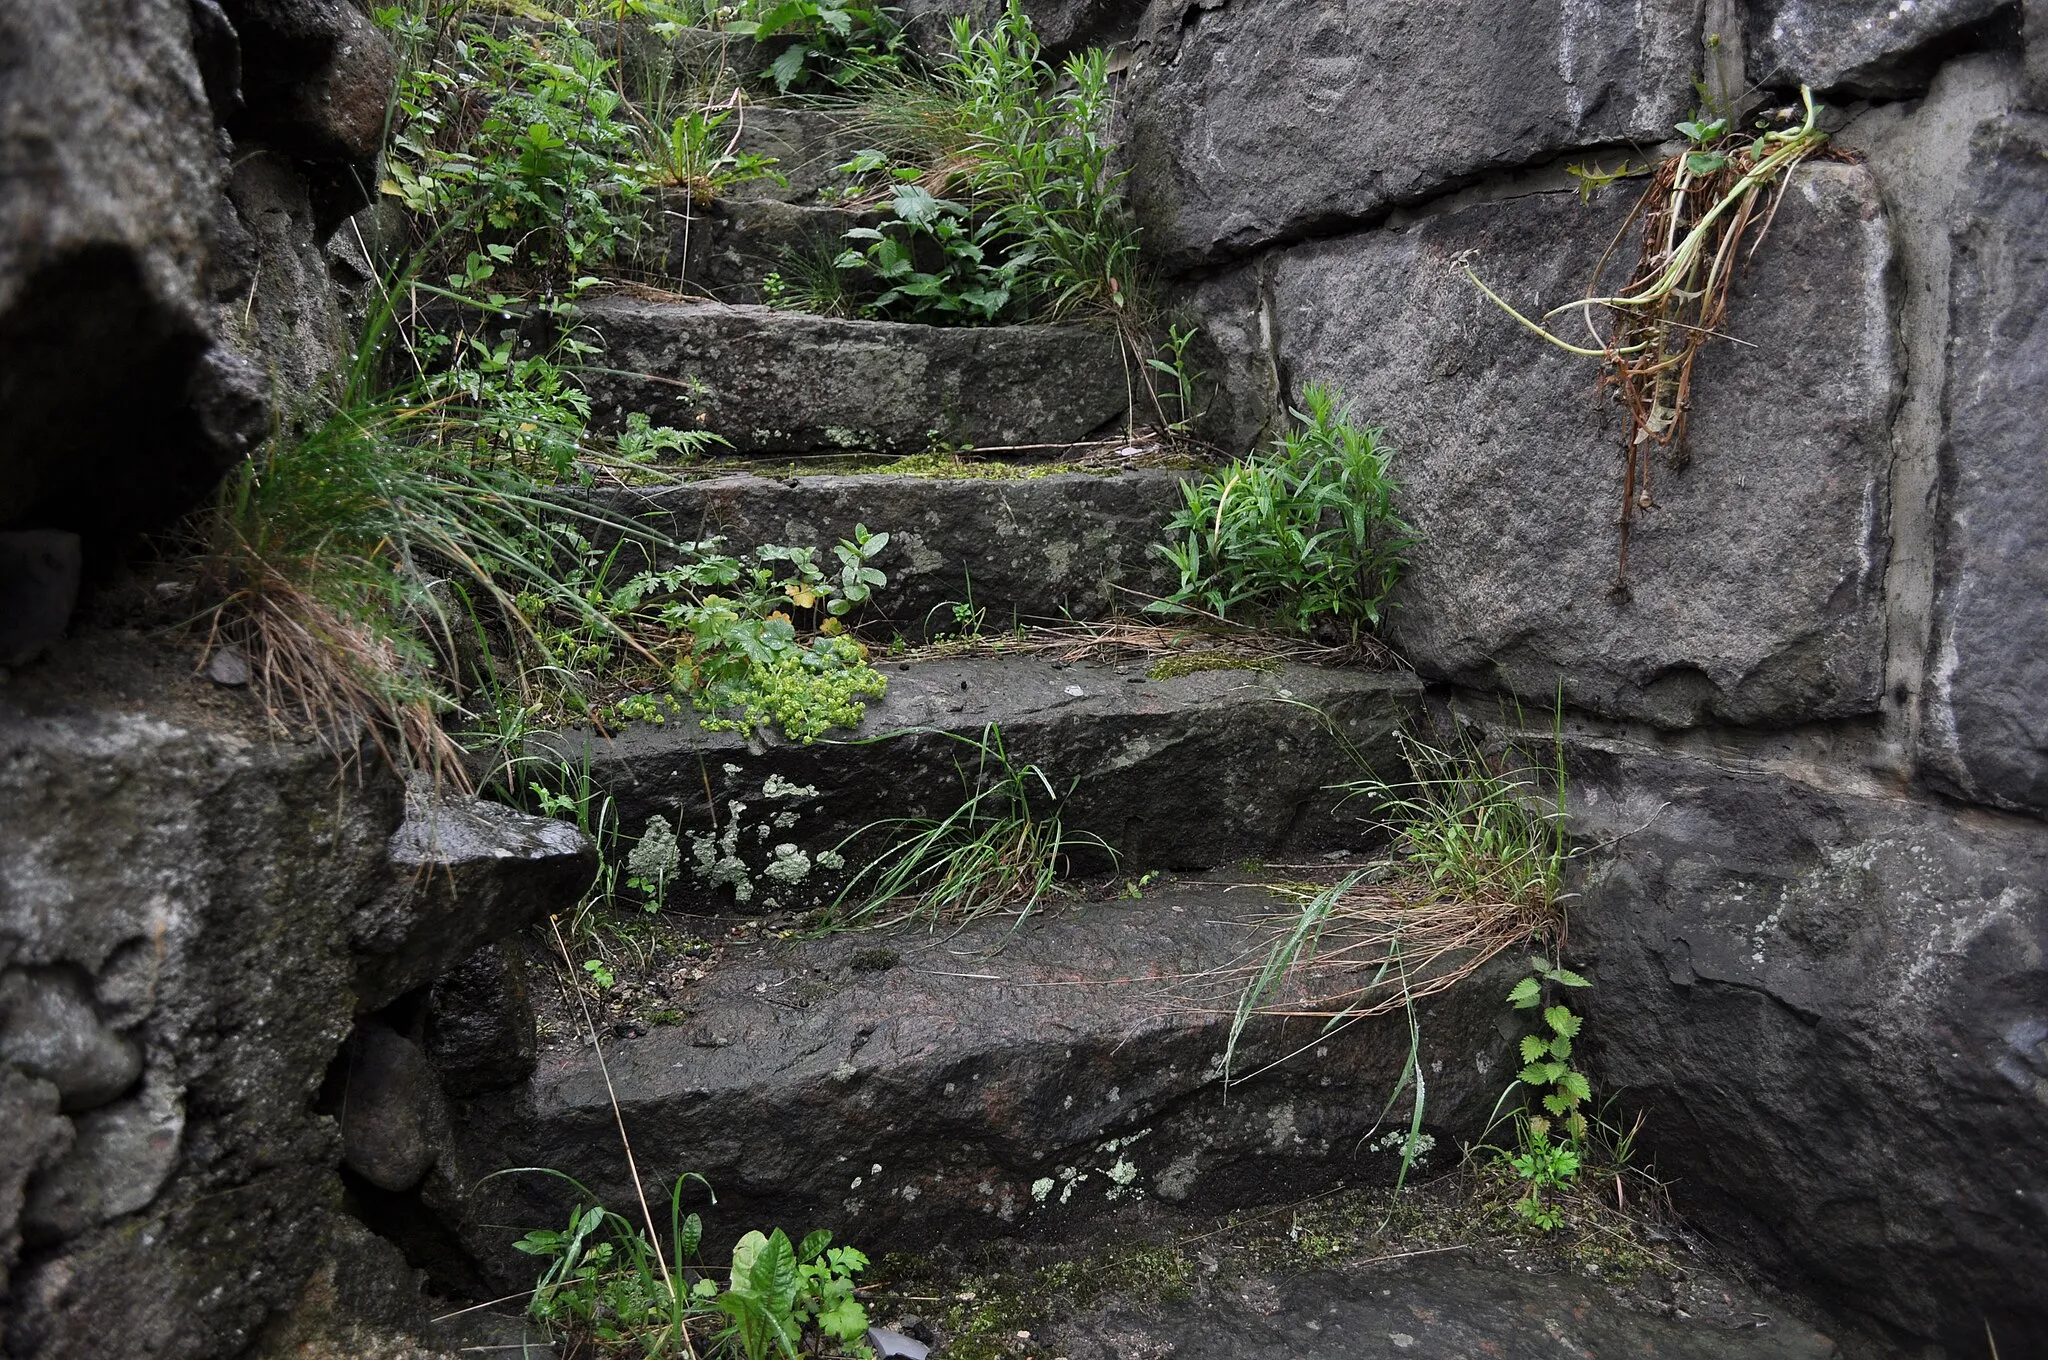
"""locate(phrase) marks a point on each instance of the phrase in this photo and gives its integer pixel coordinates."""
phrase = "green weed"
(1003, 848)
(1302, 536)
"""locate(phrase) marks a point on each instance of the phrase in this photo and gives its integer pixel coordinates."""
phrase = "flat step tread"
(773, 381)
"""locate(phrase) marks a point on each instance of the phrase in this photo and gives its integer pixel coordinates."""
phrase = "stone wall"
(194, 914)
(172, 174)
(207, 931)
(1811, 741)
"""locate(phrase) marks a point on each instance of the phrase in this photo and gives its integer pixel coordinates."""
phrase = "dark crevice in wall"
(1501, 184)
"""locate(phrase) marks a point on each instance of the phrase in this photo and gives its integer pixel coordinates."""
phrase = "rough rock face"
(110, 168)
(1859, 49)
(182, 902)
(469, 872)
(1985, 729)
(1269, 120)
(1754, 580)
(1832, 1007)
(771, 381)
(912, 1087)
(1062, 25)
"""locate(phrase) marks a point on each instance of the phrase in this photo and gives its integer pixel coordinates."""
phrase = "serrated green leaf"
(1568, 978)
(1557, 1105)
(1575, 1087)
(1527, 994)
(1534, 1075)
(1560, 1047)
(1533, 1048)
(1561, 1019)
(1540, 964)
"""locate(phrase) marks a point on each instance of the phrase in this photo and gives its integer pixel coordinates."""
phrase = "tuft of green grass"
(1003, 848)
(1301, 536)
(1475, 826)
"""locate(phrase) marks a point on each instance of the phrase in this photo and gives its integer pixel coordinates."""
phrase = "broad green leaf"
(1569, 979)
(1560, 1047)
(1533, 1048)
(814, 1242)
(1576, 1087)
(1561, 1019)
(1527, 994)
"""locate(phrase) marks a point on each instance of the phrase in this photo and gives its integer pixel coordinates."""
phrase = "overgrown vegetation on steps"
(1303, 537)
(533, 164)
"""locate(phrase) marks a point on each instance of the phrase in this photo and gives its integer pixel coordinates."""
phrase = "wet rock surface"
(1192, 772)
(911, 1087)
(771, 381)
(1870, 967)
(1856, 49)
(1754, 581)
(471, 872)
(1435, 1307)
(1070, 545)
(179, 890)
(1266, 121)
(1985, 728)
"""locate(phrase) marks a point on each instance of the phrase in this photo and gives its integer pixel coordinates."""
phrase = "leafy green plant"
(518, 140)
(1546, 1169)
(775, 1290)
(606, 1280)
(744, 663)
(820, 37)
(1172, 362)
(1003, 848)
(1301, 536)
(973, 277)
(1547, 1054)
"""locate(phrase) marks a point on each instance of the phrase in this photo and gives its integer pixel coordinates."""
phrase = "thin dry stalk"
(1382, 948)
(1110, 640)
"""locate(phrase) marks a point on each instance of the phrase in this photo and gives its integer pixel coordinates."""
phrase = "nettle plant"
(1547, 1165)
(1547, 1053)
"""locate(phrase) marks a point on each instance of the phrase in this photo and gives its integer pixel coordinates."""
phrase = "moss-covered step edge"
(911, 1087)
(770, 381)
(1065, 546)
(1189, 772)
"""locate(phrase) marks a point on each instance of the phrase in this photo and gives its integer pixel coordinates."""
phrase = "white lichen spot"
(831, 860)
(1178, 1179)
(909, 1193)
(775, 786)
(783, 821)
(790, 866)
(856, 1182)
(1041, 1188)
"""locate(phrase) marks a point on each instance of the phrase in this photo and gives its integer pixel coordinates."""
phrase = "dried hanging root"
(1699, 207)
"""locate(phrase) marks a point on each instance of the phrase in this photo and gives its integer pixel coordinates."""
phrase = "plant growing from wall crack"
(1701, 205)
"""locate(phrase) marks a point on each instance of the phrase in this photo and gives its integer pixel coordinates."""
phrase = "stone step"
(1066, 545)
(910, 1087)
(783, 382)
(1188, 772)
(729, 246)
(806, 145)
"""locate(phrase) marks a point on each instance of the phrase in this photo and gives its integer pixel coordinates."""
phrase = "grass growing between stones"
(1003, 849)
(1302, 537)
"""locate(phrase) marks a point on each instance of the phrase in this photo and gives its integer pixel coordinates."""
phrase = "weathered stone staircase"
(912, 1088)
